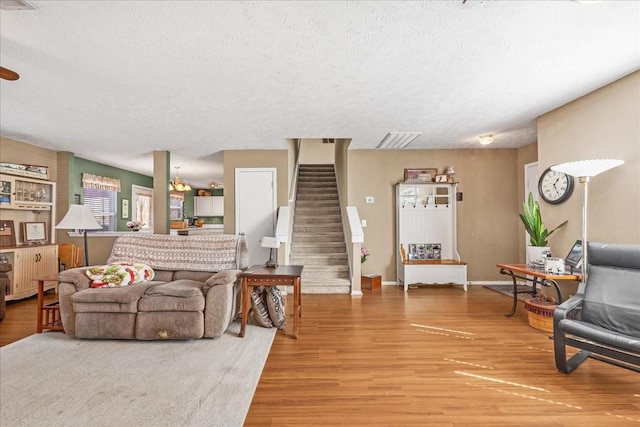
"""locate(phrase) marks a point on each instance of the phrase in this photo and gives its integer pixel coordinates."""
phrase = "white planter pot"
(537, 254)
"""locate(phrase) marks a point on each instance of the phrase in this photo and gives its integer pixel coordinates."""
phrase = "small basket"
(540, 312)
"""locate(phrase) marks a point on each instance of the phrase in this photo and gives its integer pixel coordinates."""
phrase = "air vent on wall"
(16, 5)
(398, 140)
(328, 140)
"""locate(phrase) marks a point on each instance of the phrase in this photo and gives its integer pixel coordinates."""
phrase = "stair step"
(325, 271)
(318, 258)
(317, 237)
(317, 219)
(317, 203)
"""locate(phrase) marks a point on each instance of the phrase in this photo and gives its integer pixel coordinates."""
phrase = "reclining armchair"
(603, 318)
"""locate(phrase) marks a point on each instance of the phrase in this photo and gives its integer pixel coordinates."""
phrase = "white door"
(255, 194)
(530, 186)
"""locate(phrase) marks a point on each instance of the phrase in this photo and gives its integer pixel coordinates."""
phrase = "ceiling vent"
(16, 5)
(398, 140)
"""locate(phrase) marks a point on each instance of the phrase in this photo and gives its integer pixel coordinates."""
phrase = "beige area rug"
(53, 380)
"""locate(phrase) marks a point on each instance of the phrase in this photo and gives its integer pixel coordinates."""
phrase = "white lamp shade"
(79, 217)
(587, 167)
(270, 242)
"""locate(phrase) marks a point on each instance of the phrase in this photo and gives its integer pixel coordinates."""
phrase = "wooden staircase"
(318, 240)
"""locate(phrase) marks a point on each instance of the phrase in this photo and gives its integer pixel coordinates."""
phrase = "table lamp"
(271, 243)
(584, 170)
(80, 217)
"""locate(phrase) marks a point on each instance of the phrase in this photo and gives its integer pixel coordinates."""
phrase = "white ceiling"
(114, 81)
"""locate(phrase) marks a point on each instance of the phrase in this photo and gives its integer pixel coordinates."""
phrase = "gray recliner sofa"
(195, 292)
(603, 318)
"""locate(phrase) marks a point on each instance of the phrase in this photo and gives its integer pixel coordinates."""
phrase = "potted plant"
(538, 233)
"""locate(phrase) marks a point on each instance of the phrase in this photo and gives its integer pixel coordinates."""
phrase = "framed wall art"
(125, 208)
(34, 232)
(420, 175)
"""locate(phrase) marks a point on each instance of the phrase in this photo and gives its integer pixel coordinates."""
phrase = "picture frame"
(419, 175)
(125, 208)
(34, 232)
(442, 178)
(7, 233)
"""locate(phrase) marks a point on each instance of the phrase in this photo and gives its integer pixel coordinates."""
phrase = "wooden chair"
(69, 256)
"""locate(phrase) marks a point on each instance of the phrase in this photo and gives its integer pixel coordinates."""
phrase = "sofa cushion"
(275, 304)
(259, 307)
(179, 295)
(115, 300)
(119, 274)
(199, 276)
(178, 288)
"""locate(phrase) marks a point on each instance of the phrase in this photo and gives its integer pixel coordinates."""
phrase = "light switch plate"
(363, 222)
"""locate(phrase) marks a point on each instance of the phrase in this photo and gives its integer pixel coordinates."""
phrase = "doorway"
(256, 196)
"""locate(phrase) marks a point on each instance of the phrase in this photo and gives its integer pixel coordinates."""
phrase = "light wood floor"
(435, 356)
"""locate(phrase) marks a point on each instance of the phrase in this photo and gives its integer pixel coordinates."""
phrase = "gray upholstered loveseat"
(195, 292)
(603, 318)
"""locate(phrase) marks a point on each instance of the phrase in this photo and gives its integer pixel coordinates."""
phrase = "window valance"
(100, 182)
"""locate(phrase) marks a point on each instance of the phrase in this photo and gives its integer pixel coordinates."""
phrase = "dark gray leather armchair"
(603, 318)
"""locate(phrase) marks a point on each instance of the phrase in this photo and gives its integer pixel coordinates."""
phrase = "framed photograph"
(7, 233)
(442, 178)
(34, 231)
(125, 208)
(420, 175)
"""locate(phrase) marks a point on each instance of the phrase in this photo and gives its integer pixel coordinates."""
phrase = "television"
(574, 257)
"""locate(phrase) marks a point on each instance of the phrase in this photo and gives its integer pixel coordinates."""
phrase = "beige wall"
(314, 151)
(252, 159)
(488, 224)
(602, 124)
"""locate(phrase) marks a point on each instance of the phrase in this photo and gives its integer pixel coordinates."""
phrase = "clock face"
(555, 187)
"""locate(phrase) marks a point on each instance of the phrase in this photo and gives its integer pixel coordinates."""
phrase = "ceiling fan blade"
(7, 74)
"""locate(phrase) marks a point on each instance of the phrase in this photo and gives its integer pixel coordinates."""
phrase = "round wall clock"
(555, 187)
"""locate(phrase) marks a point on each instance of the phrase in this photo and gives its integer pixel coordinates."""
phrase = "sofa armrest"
(76, 276)
(224, 277)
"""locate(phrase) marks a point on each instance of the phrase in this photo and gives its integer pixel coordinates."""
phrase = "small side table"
(524, 272)
(282, 275)
(48, 314)
(371, 282)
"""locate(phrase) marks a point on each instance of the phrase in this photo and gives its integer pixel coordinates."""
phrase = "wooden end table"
(48, 314)
(282, 275)
(535, 276)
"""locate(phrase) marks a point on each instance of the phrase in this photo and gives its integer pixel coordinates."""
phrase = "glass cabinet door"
(5, 192)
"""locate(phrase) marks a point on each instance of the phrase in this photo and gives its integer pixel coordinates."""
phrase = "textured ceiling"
(114, 81)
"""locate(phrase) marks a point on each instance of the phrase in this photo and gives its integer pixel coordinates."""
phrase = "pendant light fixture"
(177, 184)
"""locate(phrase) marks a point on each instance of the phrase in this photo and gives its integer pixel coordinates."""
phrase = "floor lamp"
(584, 170)
(80, 217)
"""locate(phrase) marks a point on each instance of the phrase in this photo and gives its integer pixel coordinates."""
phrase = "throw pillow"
(275, 303)
(259, 307)
(119, 274)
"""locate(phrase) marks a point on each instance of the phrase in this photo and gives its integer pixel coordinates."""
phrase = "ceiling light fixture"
(486, 139)
(179, 185)
(398, 140)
